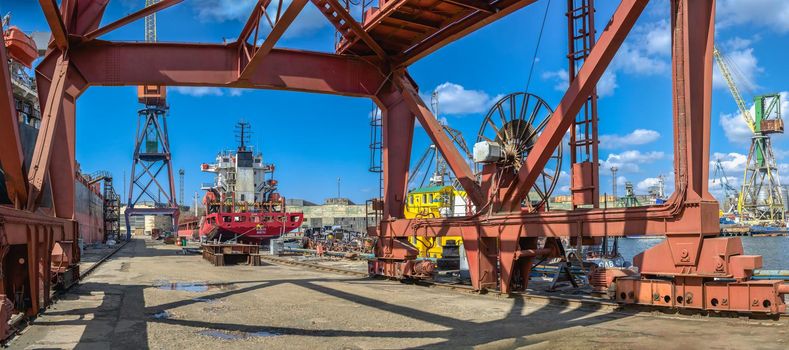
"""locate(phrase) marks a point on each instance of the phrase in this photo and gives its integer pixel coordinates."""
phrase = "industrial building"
(335, 212)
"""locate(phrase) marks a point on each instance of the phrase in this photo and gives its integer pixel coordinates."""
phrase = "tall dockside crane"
(761, 199)
(730, 195)
(152, 172)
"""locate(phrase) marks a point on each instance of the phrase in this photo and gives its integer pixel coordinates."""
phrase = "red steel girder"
(253, 21)
(335, 13)
(50, 116)
(435, 131)
(480, 5)
(55, 21)
(82, 16)
(459, 29)
(398, 133)
(130, 18)
(113, 64)
(11, 157)
(276, 33)
(601, 55)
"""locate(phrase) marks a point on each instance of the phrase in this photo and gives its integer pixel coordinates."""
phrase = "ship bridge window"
(294, 218)
(239, 219)
(411, 199)
(226, 218)
(424, 198)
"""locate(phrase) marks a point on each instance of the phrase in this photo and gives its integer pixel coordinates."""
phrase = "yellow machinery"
(434, 202)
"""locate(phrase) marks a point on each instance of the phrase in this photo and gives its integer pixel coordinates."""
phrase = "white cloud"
(605, 87)
(559, 77)
(646, 184)
(200, 91)
(744, 67)
(456, 99)
(641, 55)
(635, 59)
(309, 20)
(737, 43)
(735, 128)
(773, 14)
(636, 137)
(607, 84)
(658, 38)
(563, 184)
(223, 10)
(629, 161)
(732, 163)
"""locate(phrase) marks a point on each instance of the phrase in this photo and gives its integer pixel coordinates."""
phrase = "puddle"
(195, 286)
(162, 315)
(235, 335)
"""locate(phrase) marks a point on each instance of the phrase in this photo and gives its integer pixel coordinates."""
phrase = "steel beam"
(113, 64)
(459, 29)
(694, 28)
(253, 21)
(52, 108)
(584, 84)
(11, 155)
(147, 11)
(276, 33)
(55, 21)
(354, 26)
(82, 16)
(473, 4)
(398, 132)
(62, 163)
(435, 131)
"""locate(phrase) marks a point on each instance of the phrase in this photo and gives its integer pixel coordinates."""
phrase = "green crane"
(761, 199)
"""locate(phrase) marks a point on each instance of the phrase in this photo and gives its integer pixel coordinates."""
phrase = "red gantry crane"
(691, 269)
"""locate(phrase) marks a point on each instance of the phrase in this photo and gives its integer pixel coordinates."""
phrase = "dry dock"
(148, 295)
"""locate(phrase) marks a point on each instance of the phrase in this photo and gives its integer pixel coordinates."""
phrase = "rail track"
(588, 302)
(19, 322)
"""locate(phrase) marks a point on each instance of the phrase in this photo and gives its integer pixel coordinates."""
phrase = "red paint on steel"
(11, 156)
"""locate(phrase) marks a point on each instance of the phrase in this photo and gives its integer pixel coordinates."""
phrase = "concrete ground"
(149, 296)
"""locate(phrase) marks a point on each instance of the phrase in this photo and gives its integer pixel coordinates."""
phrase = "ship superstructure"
(242, 203)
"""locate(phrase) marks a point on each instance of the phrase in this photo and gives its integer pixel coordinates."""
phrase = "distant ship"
(243, 205)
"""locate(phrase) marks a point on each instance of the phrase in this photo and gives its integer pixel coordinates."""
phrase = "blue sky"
(314, 139)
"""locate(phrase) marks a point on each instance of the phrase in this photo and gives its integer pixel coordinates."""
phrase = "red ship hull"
(248, 227)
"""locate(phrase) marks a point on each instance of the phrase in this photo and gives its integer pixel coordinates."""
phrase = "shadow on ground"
(132, 316)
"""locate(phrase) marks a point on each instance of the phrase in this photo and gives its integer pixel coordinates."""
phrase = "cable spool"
(509, 132)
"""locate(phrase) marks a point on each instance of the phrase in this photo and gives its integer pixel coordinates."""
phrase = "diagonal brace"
(147, 11)
(276, 33)
(436, 132)
(42, 152)
(353, 25)
(576, 95)
(55, 21)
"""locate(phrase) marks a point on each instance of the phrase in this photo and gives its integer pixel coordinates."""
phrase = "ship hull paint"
(89, 212)
(252, 228)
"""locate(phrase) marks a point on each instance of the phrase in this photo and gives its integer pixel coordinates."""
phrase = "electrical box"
(488, 152)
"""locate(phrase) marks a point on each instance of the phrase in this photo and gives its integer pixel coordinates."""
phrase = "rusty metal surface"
(11, 156)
